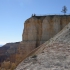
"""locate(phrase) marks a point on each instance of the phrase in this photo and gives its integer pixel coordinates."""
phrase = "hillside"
(52, 55)
(7, 50)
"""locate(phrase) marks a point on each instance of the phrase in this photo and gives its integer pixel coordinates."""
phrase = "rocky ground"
(53, 57)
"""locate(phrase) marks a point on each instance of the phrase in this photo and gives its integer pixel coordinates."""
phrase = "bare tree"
(64, 9)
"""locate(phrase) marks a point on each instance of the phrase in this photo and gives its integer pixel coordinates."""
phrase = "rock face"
(52, 55)
(39, 29)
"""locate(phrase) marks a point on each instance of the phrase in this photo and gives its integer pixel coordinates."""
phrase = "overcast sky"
(13, 14)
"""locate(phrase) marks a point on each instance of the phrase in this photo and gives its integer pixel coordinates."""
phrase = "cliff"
(54, 54)
(39, 29)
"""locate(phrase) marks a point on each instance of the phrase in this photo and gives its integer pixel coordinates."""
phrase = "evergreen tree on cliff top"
(64, 10)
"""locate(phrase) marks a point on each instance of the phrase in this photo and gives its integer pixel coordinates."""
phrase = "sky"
(13, 14)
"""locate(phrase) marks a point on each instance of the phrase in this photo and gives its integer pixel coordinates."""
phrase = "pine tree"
(64, 10)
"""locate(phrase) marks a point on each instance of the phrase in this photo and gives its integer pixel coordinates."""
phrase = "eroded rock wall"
(39, 29)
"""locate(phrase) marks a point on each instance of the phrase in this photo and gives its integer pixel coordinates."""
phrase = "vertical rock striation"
(39, 29)
(52, 55)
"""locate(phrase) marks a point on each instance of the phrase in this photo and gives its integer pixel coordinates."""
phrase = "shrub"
(34, 56)
(5, 64)
(13, 66)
